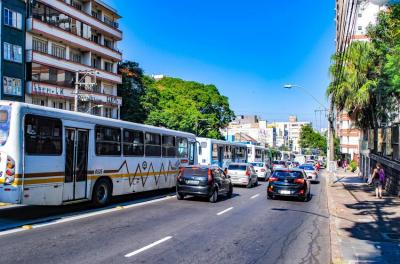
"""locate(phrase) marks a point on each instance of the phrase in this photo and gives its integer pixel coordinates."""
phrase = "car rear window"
(237, 167)
(257, 164)
(306, 167)
(283, 174)
(195, 172)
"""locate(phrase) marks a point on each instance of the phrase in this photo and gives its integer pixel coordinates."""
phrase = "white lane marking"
(66, 219)
(147, 247)
(254, 196)
(224, 211)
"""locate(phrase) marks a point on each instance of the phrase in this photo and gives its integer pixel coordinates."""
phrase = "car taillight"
(181, 170)
(209, 176)
(272, 179)
(299, 181)
(10, 170)
(262, 170)
(247, 173)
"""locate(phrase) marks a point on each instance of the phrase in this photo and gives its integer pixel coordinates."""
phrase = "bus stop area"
(363, 228)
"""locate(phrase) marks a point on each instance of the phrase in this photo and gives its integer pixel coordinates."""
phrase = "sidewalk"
(364, 229)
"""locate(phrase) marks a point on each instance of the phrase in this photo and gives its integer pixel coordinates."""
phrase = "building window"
(58, 51)
(359, 27)
(43, 135)
(359, 15)
(41, 73)
(12, 19)
(12, 86)
(39, 101)
(108, 112)
(12, 52)
(75, 56)
(108, 43)
(59, 105)
(39, 45)
(108, 66)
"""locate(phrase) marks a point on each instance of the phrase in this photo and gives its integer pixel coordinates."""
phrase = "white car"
(262, 170)
(242, 174)
(310, 171)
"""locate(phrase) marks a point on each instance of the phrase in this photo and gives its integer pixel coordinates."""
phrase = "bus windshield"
(4, 123)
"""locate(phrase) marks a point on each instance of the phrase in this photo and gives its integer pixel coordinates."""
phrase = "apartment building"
(70, 40)
(12, 64)
(366, 12)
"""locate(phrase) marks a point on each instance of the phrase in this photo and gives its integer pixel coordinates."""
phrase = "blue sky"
(248, 49)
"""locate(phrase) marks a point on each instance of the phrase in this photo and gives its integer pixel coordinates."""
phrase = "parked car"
(289, 182)
(310, 171)
(262, 170)
(243, 174)
(204, 181)
(278, 164)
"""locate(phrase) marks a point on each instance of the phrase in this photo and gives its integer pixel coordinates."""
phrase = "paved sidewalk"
(364, 229)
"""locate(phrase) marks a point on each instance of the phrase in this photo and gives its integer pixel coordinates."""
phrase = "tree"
(132, 90)
(186, 106)
(310, 139)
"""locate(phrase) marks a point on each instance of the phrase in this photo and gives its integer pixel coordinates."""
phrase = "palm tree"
(353, 85)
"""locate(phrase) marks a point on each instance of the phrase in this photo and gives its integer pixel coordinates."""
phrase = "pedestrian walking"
(345, 165)
(378, 179)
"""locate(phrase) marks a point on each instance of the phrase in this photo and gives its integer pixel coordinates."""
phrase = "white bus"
(220, 152)
(257, 153)
(54, 157)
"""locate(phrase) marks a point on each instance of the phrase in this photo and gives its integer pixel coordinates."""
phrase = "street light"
(330, 151)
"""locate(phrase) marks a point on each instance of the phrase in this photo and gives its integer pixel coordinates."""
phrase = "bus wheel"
(101, 193)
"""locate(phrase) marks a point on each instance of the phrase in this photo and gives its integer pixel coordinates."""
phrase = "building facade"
(366, 12)
(12, 66)
(70, 42)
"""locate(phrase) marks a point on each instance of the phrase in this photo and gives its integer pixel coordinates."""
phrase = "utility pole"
(331, 141)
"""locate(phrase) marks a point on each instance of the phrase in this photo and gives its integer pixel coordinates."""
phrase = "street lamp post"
(330, 150)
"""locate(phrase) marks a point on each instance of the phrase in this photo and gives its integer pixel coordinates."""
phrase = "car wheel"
(101, 193)
(214, 196)
(270, 196)
(250, 184)
(256, 184)
(180, 196)
(230, 192)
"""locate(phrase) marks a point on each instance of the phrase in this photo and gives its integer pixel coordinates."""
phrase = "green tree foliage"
(132, 90)
(310, 139)
(186, 106)
(368, 87)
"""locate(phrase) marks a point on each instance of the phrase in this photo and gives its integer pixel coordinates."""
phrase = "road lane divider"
(224, 211)
(147, 247)
(255, 196)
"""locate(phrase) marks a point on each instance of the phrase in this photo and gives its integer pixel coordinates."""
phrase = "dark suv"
(289, 182)
(205, 181)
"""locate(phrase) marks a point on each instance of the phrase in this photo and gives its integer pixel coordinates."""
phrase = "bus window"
(168, 146)
(108, 141)
(214, 151)
(153, 145)
(133, 143)
(4, 123)
(182, 147)
(43, 135)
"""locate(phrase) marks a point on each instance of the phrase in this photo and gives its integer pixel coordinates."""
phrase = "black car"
(289, 182)
(204, 181)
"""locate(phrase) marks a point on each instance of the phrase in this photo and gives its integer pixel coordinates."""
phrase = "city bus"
(257, 153)
(220, 152)
(54, 157)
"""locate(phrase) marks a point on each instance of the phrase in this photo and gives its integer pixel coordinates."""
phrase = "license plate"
(284, 192)
(192, 182)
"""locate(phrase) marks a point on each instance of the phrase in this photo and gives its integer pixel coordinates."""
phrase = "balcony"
(39, 27)
(111, 28)
(47, 59)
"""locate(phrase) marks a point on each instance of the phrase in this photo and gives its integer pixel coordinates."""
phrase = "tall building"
(364, 14)
(12, 65)
(288, 133)
(71, 41)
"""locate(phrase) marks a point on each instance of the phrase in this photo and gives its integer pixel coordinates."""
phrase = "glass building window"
(12, 86)
(12, 19)
(12, 52)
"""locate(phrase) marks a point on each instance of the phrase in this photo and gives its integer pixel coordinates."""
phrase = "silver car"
(262, 170)
(243, 174)
(310, 171)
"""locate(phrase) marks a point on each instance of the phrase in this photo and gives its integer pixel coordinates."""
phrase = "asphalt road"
(247, 228)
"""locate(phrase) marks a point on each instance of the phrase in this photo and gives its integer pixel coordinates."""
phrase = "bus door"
(220, 156)
(76, 163)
